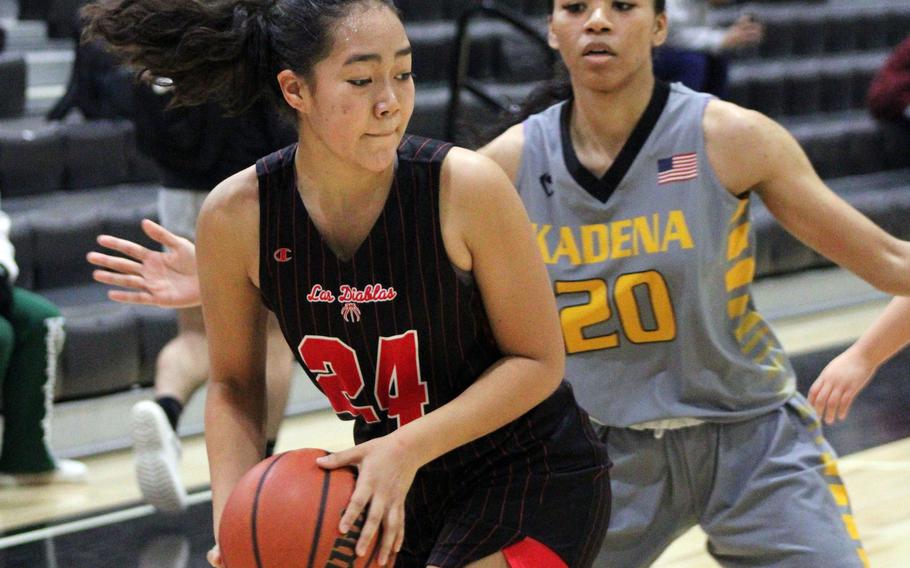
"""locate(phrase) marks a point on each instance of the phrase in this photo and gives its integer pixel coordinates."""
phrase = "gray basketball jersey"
(652, 268)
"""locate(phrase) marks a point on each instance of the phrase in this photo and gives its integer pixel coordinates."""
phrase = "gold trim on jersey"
(753, 334)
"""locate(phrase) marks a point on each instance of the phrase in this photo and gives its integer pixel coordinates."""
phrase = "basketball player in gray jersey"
(639, 196)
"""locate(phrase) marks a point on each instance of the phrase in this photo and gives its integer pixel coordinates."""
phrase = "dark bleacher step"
(40, 157)
(799, 29)
(424, 10)
(109, 347)
(794, 87)
(430, 114)
(497, 51)
(53, 232)
(883, 197)
(850, 143)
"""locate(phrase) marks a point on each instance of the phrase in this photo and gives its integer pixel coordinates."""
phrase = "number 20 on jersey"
(575, 318)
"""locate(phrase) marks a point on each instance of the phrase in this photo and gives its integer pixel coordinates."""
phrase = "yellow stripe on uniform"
(863, 557)
(839, 492)
(741, 274)
(746, 325)
(738, 241)
(738, 306)
(743, 204)
(778, 368)
(851, 526)
(830, 464)
(750, 345)
(758, 359)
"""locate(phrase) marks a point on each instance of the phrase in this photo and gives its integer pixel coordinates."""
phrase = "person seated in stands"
(889, 93)
(31, 337)
(99, 87)
(695, 53)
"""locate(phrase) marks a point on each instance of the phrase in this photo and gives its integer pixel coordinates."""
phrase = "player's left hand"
(386, 471)
(214, 557)
(837, 386)
(165, 279)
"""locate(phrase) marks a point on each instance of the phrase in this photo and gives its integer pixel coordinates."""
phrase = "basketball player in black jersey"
(404, 277)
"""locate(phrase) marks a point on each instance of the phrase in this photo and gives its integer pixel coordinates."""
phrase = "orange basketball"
(285, 512)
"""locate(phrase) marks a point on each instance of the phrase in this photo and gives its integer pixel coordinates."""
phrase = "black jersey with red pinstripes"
(397, 331)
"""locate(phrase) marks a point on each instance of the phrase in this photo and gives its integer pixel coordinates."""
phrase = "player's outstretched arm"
(165, 279)
(846, 375)
(751, 152)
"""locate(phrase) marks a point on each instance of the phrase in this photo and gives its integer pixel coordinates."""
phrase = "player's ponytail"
(219, 50)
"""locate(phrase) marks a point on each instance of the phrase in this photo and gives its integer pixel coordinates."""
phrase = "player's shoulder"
(235, 190)
(732, 126)
(506, 150)
(468, 175)
(235, 199)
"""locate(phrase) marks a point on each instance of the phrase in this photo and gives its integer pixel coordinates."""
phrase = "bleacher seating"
(64, 183)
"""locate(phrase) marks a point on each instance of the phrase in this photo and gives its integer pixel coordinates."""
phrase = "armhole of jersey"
(522, 161)
(709, 167)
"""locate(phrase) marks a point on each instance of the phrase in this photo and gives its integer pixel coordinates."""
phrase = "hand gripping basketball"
(283, 514)
(386, 472)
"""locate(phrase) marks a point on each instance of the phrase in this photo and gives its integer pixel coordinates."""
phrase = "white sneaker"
(157, 451)
(67, 471)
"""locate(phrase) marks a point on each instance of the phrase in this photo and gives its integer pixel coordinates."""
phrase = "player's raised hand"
(165, 279)
(385, 474)
(837, 386)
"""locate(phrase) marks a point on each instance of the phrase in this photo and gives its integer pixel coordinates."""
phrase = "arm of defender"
(506, 150)
(165, 279)
(752, 152)
(846, 375)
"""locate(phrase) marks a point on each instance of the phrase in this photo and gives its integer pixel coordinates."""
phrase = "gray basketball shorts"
(766, 491)
(178, 210)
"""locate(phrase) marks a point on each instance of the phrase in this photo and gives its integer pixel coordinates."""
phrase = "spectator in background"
(696, 53)
(98, 87)
(31, 336)
(195, 148)
(889, 94)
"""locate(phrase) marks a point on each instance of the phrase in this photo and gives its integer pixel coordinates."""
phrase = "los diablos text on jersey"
(352, 295)
(589, 244)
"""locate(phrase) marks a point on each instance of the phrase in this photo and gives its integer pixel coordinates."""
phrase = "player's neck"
(335, 181)
(606, 119)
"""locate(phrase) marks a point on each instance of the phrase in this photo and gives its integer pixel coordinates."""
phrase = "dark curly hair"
(219, 50)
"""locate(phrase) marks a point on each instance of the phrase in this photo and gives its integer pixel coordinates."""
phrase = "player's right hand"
(214, 557)
(837, 386)
(385, 473)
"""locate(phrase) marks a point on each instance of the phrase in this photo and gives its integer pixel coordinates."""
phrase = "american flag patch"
(677, 168)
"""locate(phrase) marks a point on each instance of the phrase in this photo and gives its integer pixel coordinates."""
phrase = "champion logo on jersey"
(283, 255)
(680, 167)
